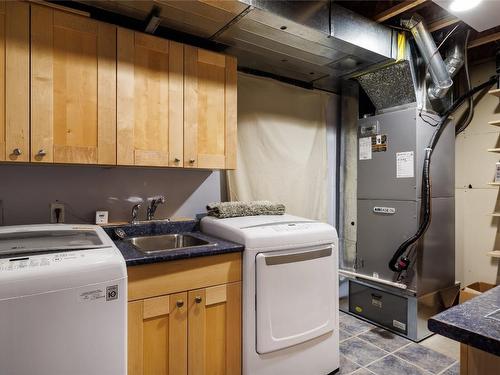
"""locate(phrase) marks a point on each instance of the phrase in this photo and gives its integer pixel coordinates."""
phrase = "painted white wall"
(476, 230)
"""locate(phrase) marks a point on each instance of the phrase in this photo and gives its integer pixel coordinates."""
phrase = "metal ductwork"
(441, 79)
(316, 42)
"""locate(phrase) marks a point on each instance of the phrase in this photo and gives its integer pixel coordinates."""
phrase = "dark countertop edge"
(168, 257)
(454, 332)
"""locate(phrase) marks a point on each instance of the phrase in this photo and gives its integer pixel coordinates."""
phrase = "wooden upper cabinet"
(157, 336)
(209, 109)
(214, 334)
(14, 81)
(150, 100)
(73, 88)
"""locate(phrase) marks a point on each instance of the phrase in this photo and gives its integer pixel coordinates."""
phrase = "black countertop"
(475, 322)
(134, 257)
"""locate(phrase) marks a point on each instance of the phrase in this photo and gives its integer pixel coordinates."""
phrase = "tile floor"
(366, 350)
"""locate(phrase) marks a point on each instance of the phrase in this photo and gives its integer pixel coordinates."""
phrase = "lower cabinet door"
(157, 335)
(214, 332)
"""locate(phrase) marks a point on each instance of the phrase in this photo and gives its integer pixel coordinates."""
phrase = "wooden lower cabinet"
(214, 333)
(195, 331)
(157, 335)
(474, 361)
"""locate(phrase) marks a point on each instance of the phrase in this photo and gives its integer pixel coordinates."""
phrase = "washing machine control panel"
(38, 261)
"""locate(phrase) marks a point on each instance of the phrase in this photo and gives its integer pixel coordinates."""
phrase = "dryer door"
(295, 296)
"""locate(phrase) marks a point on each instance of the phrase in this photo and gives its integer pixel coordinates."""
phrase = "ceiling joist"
(442, 23)
(490, 38)
(398, 9)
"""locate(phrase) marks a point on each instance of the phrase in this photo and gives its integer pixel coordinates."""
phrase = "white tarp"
(282, 147)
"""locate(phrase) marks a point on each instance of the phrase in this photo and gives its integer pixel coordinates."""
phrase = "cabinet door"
(14, 81)
(150, 87)
(73, 88)
(157, 336)
(215, 330)
(209, 110)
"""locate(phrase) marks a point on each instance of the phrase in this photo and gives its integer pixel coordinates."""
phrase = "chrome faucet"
(134, 212)
(154, 205)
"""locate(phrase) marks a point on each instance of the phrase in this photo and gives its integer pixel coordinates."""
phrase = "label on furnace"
(365, 148)
(404, 164)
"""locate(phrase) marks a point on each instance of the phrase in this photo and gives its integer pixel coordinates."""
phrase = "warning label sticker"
(379, 143)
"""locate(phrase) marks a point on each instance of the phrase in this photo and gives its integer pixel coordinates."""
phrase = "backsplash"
(26, 192)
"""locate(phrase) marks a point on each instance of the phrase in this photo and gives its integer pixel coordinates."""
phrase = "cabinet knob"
(177, 160)
(17, 151)
(180, 303)
(191, 161)
(197, 299)
(41, 152)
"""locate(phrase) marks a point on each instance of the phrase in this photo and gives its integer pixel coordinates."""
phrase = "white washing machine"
(290, 293)
(63, 295)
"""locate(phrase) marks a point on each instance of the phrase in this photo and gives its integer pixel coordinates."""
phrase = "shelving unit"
(495, 92)
(494, 254)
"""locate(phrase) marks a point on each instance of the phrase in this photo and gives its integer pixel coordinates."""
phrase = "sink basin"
(166, 242)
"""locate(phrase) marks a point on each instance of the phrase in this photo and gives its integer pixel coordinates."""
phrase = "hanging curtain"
(282, 147)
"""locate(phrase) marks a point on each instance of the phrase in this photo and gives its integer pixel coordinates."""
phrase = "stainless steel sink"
(166, 242)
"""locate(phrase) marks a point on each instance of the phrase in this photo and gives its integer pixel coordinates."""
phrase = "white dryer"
(63, 296)
(290, 293)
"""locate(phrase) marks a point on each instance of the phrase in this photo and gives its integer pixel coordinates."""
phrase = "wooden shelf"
(494, 123)
(493, 150)
(494, 254)
(494, 183)
(495, 92)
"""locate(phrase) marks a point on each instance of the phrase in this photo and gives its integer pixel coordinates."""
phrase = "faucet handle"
(135, 210)
(153, 205)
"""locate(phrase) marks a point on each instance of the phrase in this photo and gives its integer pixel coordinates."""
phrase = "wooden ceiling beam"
(398, 9)
(484, 40)
(442, 23)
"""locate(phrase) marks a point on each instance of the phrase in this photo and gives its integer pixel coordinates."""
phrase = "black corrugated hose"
(399, 262)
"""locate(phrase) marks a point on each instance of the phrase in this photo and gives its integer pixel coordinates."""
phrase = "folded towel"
(223, 210)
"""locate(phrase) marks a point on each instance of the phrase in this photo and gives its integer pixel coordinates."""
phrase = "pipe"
(371, 278)
(440, 75)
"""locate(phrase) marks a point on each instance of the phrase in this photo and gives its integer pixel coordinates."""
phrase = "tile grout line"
(449, 367)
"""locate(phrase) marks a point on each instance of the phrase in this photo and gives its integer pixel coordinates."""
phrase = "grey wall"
(26, 191)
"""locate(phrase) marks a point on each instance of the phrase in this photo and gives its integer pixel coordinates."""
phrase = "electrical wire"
(398, 262)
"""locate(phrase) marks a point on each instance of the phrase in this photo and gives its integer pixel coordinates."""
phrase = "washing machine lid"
(270, 232)
(50, 237)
